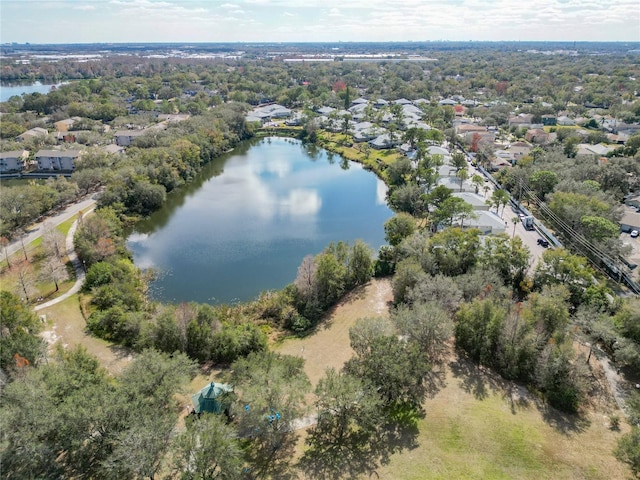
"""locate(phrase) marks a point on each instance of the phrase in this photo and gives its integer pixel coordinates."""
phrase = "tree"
(123, 432)
(543, 182)
(399, 171)
(399, 227)
(477, 329)
(560, 377)
(408, 198)
(359, 264)
(428, 326)
(499, 198)
(408, 273)
(477, 181)
(599, 229)
(348, 420)
(4, 243)
(559, 267)
(19, 332)
(458, 161)
(395, 369)
(25, 279)
(508, 256)
(462, 175)
(455, 250)
(306, 279)
(54, 270)
(628, 450)
(451, 210)
(271, 389)
(53, 241)
(330, 278)
(207, 450)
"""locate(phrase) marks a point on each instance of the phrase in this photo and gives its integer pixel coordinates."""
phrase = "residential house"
(521, 120)
(488, 222)
(33, 133)
(13, 161)
(63, 126)
(124, 138)
(295, 120)
(447, 101)
(326, 110)
(384, 141)
(537, 135)
(380, 102)
(402, 101)
(173, 117)
(113, 148)
(365, 131)
(268, 112)
(470, 130)
(478, 202)
(549, 120)
(360, 100)
(63, 160)
(599, 149)
(565, 121)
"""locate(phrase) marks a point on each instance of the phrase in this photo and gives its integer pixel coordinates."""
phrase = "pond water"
(8, 91)
(251, 216)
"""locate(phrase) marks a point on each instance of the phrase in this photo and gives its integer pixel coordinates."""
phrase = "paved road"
(34, 231)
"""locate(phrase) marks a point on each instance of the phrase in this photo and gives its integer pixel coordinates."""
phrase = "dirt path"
(329, 345)
(613, 378)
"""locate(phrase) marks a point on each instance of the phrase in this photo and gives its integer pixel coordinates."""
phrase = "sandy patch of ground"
(329, 345)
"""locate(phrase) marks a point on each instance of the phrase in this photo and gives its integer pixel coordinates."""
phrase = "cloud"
(335, 12)
(288, 14)
(85, 7)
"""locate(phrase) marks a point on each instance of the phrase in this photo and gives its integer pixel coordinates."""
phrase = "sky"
(115, 21)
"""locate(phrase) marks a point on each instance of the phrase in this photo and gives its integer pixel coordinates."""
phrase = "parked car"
(634, 233)
(543, 242)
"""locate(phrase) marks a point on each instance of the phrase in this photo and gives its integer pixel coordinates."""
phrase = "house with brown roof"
(537, 135)
(65, 125)
(33, 133)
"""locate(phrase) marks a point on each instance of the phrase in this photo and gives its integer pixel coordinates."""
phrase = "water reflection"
(247, 229)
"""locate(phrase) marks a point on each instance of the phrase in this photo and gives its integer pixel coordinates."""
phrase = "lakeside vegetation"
(446, 287)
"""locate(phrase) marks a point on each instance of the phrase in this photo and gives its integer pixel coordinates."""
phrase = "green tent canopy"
(212, 398)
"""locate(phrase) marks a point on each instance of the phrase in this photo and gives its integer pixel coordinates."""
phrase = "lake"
(250, 218)
(8, 91)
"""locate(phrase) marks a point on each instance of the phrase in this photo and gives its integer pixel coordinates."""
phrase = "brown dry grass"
(329, 345)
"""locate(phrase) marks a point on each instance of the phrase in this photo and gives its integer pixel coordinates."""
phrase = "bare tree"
(4, 243)
(26, 281)
(53, 241)
(305, 281)
(53, 269)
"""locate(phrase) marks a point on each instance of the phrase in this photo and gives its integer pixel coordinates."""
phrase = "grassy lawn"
(65, 324)
(473, 428)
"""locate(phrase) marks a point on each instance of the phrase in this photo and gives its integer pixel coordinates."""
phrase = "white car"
(634, 233)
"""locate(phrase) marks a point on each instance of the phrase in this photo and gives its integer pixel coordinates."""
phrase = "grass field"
(477, 426)
(66, 325)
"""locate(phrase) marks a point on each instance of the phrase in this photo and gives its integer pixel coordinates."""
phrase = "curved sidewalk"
(77, 265)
